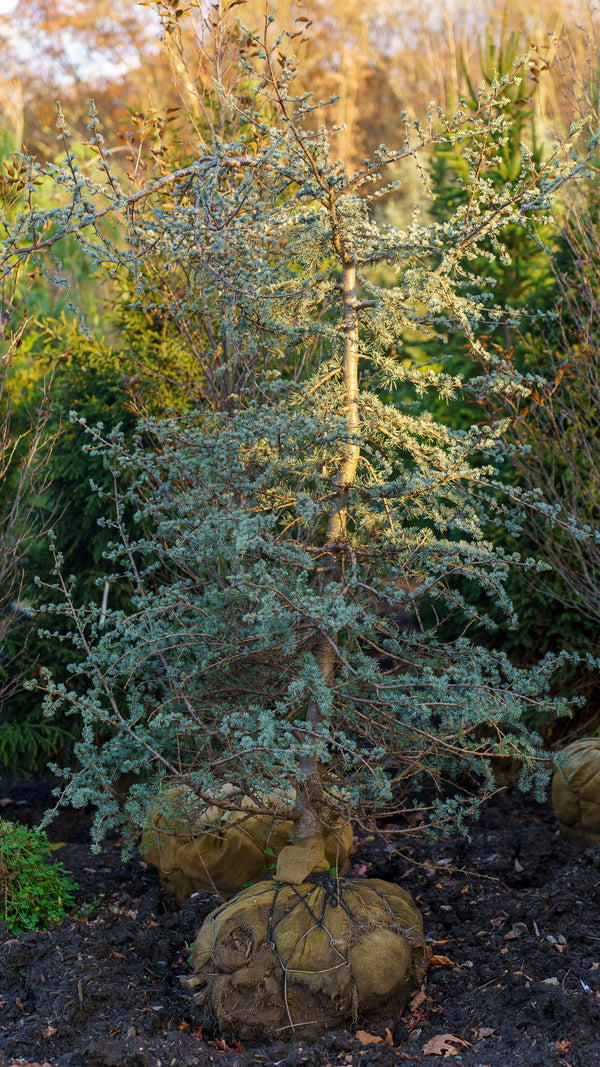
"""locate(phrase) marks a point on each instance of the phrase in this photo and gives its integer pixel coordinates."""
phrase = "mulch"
(511, 917)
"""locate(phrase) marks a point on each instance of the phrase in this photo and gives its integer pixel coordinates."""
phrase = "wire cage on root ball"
(306, 952)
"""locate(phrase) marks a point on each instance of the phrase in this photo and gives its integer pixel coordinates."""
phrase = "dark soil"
(511, 917)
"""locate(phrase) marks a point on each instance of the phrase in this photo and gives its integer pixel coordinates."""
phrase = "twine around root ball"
(285, 960)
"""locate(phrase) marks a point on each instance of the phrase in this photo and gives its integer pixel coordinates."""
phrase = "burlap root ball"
(576, 792)
(196, 847)
(293, 959)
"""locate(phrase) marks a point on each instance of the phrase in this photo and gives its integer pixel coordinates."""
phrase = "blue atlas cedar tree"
(275, 525)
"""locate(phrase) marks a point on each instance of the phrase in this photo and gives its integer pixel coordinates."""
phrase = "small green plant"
(33, 892)
(270, 860)
(85, 910)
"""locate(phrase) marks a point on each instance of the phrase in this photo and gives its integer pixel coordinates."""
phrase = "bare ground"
(512, 918)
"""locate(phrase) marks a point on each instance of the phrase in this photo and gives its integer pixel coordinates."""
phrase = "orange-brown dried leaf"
(444, 1043)
(442, 961)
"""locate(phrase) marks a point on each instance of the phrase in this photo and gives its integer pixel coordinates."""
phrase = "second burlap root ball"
(288, 959)
(576, 792)
(197, 847)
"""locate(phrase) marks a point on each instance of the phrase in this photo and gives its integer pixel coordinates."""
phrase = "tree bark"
(309, 826)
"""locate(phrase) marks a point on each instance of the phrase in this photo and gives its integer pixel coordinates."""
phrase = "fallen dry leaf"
(416, 1000)
(444, 1043)
(366, 1038)
(483, 1031)
(441, 961)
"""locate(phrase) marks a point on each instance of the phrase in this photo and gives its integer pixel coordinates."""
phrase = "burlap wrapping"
(199, 848)
(287, 960)
(576, 792)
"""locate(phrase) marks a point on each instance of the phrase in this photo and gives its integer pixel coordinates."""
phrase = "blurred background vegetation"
(150, 68)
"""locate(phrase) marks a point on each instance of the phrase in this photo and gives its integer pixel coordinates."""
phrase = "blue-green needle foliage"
(254, 649)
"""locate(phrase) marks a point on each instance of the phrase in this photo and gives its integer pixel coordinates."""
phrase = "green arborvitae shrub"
(34, 892)
(560, 430)
(86, 376)
(526, 281)
(26, 737)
